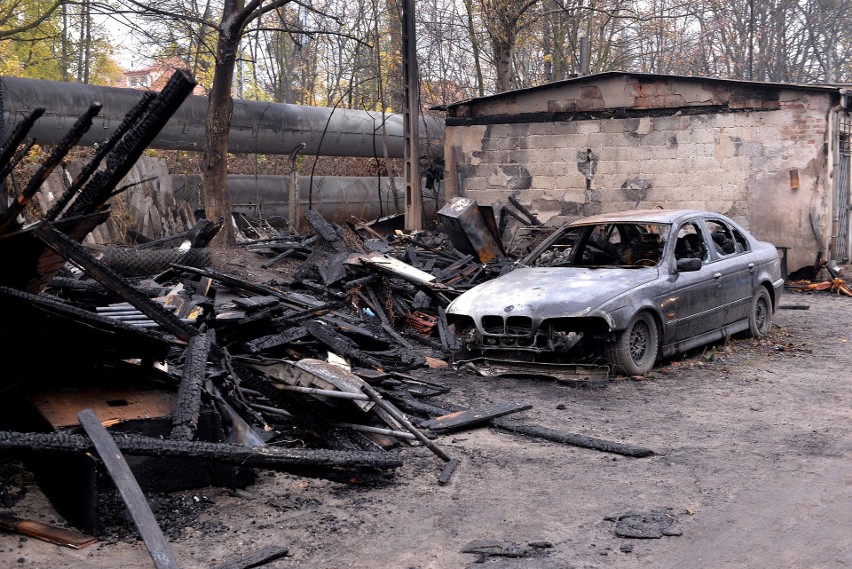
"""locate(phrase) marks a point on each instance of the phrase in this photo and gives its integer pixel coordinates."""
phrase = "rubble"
(174, 360)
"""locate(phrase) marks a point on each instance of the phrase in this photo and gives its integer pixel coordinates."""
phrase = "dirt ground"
(752, 444)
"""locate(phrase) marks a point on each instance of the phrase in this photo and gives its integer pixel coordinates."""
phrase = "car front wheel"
(635, 349)
(760, 315)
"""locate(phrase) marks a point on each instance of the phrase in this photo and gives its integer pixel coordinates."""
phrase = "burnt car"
(632, 287)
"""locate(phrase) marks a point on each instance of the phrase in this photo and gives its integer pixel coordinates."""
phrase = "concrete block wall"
(148, 205)
(736, 163)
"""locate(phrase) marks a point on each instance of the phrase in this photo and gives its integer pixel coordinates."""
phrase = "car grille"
(511, 332)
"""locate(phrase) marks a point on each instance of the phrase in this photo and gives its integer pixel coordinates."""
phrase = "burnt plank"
(573, 439)
(128, 150)
(473, 417)
(24, 330)
(102, 152)
(129, 489)
(410, 404)
(257, 558)
(448, 339)
(448, 471)
(59, 536)
(9, 218)
(339, 344)
(275, 340)
(188, 407)
(241, 284)
(7, 151)
(270, 457)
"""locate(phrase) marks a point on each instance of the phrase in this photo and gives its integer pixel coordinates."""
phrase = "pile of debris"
(146, 351)
(821, 276)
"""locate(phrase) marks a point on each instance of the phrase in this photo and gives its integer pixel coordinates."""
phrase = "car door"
(690, 304)
(733, 268)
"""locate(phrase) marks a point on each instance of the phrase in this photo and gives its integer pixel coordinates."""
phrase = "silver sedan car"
(632, 286)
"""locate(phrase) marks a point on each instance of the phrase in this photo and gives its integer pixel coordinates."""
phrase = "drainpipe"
(833, 161)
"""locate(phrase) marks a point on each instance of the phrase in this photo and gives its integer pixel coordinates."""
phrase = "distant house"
(154, 76)
(775, 157)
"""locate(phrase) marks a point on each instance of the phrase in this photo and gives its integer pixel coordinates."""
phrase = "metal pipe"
(322, 392)
(256, 127)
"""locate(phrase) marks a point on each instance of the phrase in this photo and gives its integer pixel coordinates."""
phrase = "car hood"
(546, 292)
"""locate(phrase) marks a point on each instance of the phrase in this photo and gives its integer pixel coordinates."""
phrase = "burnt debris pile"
(201, 376)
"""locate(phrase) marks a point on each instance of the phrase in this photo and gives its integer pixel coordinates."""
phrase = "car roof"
(642, 216)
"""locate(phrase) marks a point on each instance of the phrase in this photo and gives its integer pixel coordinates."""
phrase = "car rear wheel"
(760, 315)
(635, 349)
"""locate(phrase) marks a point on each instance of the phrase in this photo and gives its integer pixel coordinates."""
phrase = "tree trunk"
(217, 204)
(503, 64)
(474, 42)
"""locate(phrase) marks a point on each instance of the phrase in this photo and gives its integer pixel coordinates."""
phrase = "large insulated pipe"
(337, 198)
(256, 127)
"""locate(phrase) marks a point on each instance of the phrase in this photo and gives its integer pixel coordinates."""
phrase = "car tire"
(635, 349)
(760, 314)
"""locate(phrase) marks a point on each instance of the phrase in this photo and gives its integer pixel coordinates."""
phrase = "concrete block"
(543, 182)
(588, 127)
(613, 126)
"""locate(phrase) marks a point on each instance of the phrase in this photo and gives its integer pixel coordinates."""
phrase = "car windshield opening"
(615, 244)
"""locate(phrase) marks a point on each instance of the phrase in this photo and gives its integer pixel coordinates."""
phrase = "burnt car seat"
(689, 246)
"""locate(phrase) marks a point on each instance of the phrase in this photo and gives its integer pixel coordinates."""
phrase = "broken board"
(473, 417)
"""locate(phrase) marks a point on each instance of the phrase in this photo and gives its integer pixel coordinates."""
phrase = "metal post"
(411, 126)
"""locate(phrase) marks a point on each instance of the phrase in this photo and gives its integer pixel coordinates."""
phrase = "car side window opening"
(690, 243)
(741, 241)
(723, 239)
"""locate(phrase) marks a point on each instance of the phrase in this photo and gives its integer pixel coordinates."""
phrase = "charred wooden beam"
(278, 257)
(9, 217)
(326, 231)
(359, 282)
(77, 254)
(131, 146)
(130, 491)
(271, 341)
(407, 402)
(573, 439)
(188, 406)
(451, 269)
(109, 335)
(10, 165)
(18, 135)
(102, 151)
(270, 457)
(448, 339)
(241, 284)
(340, 344)
(516, 215)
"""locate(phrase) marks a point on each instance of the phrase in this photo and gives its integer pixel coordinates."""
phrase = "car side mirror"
(688, 264)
